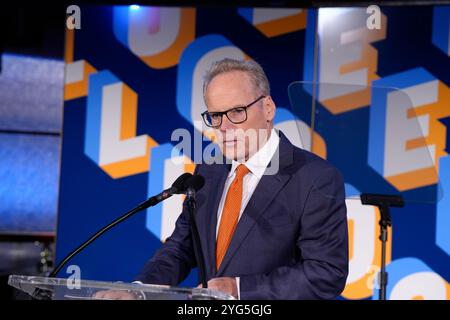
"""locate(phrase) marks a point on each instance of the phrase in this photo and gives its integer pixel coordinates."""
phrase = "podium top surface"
(44, 288)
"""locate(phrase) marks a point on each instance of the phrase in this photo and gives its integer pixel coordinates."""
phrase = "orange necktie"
(230, 214)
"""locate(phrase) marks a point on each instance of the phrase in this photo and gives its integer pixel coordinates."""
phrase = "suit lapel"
(219, 177)
(267, 189)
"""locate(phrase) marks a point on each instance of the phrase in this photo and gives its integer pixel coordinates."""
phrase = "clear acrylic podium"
(43, 288)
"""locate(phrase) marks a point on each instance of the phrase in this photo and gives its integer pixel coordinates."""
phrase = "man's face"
(232, 89)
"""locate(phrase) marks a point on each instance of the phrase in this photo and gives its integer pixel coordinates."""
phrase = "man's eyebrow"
(230, 108)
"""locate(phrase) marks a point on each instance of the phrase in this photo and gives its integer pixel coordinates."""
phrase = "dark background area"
(38, 28)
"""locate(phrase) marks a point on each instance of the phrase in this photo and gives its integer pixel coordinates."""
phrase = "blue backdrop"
(134, 75)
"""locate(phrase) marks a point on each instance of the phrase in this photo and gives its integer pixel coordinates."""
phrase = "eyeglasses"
(236, 115)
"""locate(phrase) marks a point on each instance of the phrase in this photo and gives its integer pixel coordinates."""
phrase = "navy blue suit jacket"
(291, 241)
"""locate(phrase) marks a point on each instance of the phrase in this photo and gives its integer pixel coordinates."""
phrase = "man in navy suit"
(272, 222)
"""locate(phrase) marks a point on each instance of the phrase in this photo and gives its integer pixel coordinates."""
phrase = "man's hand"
(225, 284)
(115, 295)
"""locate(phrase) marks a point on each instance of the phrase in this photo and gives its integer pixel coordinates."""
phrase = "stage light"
(134, 7)
(330, 15)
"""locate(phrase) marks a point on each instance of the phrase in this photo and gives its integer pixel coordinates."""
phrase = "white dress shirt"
(257, 164)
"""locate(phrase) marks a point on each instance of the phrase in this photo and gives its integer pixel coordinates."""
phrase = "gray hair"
(250, 67)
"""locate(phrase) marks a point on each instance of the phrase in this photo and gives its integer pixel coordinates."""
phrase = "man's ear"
(269, 108)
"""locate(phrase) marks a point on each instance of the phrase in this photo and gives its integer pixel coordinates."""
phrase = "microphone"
(179, 186)
(193, 184)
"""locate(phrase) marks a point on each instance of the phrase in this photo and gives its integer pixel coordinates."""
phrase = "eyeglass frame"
(221, 113)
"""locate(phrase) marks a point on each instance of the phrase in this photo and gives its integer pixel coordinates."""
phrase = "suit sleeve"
(322, 268)
(172, 263)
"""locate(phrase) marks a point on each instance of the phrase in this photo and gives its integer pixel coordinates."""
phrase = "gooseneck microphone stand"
(196, 182)
(178, 187)
(43, 294)
(95, 236)
(383, 202)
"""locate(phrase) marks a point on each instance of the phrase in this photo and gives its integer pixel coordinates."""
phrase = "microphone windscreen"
(179, 184)
(196, 182)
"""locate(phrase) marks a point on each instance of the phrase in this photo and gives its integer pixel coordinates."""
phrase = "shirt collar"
(258, 162)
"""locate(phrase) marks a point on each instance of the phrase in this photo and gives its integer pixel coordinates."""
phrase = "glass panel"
(64, 289)
(380, 148)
